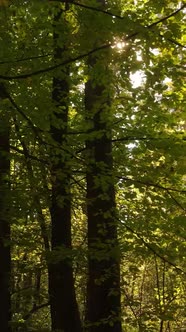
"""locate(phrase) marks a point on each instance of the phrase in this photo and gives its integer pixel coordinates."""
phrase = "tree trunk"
(5, 304)
(64, 309)
(103, 287)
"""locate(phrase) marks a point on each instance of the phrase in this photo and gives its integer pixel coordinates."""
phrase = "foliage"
(146, 60)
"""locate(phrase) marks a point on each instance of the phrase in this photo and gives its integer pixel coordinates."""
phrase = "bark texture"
(5, 304)
(103, 287)
(64, 309)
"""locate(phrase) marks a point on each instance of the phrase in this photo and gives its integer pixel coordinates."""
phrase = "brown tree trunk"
(103, 287)
(64, 309)
(5, 259)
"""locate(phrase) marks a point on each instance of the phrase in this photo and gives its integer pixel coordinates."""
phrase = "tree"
(103, 286)
(64, 310)
(111, 154)
(5, 271)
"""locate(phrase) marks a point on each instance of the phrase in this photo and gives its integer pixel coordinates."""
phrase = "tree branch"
(64, 63)
(168, 16)
(133, 138)
(176, 201)
(147, 245)
(26, 59)
(87, 54)
(14, 148)
(19, 110)
(35, 309)
(118, 16)
(155, 185)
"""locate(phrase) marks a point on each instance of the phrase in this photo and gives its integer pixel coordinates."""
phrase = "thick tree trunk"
(5, 269)
(64, 309)
(103, 288)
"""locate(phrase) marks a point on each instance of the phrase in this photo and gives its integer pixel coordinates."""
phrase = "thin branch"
(130, 304)
(175, 42)
(133, 138)
(157, 280)
(64, 63)
(25, 59)
(102, 47)
(165, 18)
(150, 184)
(114, 15)
(35, 309)
(82, 56)
(96, 9)
(4, 94)
(168, 16)
(147, 245)
(107, 13)
(78, 182)
(14, 148)
(34, 128)
(176, 201)
(35, 195)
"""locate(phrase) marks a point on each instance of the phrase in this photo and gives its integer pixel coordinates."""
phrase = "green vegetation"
(92, 166)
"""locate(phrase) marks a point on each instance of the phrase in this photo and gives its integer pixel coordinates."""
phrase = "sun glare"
(120, 45)
(137, 78)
